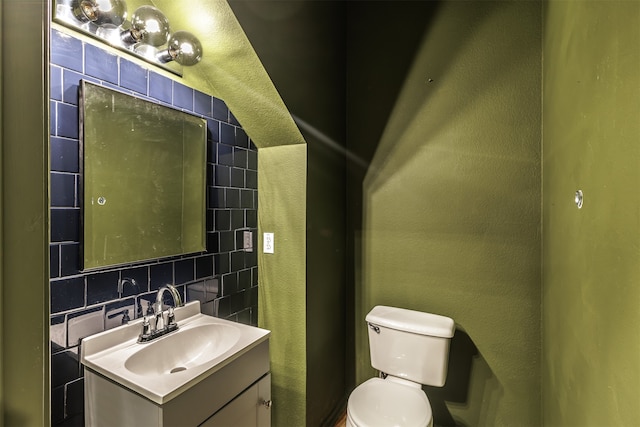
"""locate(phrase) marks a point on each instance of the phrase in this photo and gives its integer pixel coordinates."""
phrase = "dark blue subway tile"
(223, 219)
(160, 275)
(229, 284)
(251, 179)
(54, 261)
(70, 84)
(213, 128)
(237, 259)
(213, 244)
(227, 241)
(224, 306)
(67, 294)
(227, 134)
(74, 402)
(133, 76)
(222, 263)
(69, 259)
(65, 367)
(232, 196)
(102, 287)
(237, 219)
(182, 96)
(140, 276)
(100, 64)
(220, 110)
(204, 266)
(237, 177)
(184, 271)
(65, 225)
(53, 118)
(240, 158)
(251, 258)
(223, 176)
(57, 405)
(63, 190)
(212, 154)
(242, 140)
(160, 87)
(64, 155)
(251, 218)
(55, 82)
(210, 223)
(252, 160)
(67, 120)
(66, 51)
(211, 174)
(246, 199)
(202, 103)
(225, 154)
(233, 120)
(216, 197)
(244, 279)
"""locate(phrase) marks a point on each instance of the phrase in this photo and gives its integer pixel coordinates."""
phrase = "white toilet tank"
(410, 344)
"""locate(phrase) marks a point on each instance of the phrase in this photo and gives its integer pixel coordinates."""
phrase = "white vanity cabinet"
(210, 372)
(239, 394)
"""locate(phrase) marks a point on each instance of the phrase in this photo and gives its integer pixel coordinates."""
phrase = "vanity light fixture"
(100, 12)
(147, 35)
(148, 26)
(183, 47)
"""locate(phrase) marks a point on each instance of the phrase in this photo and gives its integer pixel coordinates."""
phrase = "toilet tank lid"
(411, 321)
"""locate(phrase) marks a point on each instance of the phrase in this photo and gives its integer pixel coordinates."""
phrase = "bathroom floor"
(342, 422)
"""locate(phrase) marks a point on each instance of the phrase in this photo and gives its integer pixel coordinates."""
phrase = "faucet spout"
(177, 300)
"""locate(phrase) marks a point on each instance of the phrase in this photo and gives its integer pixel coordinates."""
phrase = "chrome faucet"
(150, 332)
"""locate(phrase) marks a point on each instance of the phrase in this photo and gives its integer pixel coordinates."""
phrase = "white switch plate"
(268, 243)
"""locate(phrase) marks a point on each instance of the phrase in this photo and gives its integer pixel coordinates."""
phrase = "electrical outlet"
(248, 241)
(268, 243)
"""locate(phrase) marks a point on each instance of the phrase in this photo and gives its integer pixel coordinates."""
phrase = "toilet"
(409, 348)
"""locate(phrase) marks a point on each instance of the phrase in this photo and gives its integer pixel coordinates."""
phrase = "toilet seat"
(383, 403)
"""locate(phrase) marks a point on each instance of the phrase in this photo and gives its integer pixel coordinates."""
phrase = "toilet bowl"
(409, 348)
(378, 402)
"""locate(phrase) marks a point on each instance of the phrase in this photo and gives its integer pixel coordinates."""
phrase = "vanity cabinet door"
(246, 410)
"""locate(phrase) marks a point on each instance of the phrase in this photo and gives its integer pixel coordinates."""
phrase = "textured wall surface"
(451, 204)
(282, 301)
(591, 274)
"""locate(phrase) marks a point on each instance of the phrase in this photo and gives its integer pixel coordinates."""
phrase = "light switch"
(268, 243)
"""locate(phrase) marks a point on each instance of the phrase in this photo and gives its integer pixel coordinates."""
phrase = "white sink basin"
(167, 366)
(187, 348)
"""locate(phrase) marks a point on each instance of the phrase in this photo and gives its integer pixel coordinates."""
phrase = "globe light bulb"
(183, 47)
(149, 26)
(100, 12)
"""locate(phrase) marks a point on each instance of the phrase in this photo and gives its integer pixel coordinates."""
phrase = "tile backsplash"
(224, 278)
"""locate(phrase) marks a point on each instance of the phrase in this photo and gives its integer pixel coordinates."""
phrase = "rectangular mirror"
(143, 179)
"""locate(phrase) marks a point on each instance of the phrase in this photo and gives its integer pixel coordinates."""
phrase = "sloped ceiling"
(231, 70)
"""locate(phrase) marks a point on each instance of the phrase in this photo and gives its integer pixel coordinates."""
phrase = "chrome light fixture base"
(146, 36)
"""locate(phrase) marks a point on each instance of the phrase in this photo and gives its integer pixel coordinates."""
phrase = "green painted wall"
(451, 200)
(25, 224)
(282, 291)
(591, 274)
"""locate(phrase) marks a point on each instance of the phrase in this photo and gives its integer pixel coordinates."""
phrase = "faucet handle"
(146, 327)
(171, 318)
(159, 317)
